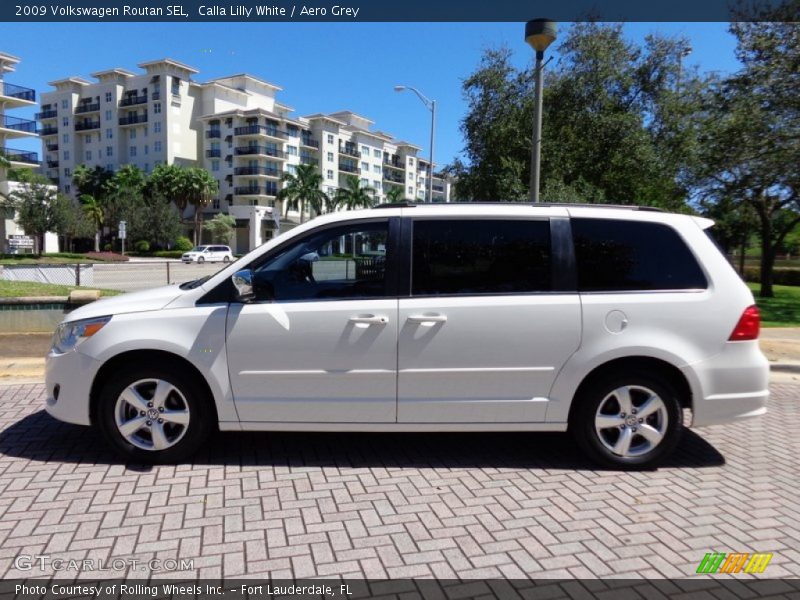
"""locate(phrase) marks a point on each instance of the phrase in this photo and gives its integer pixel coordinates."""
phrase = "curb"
(785, 367)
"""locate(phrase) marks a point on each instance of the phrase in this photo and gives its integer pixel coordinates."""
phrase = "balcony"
(51, 147)
(213, 134)
(273, 132)
(309, 143)
(20, 156)
(86, 107)
(394, 163)
(265, 171)
(132, 120)
(52, 164)
(17, 92)
(350, 151)
(48, 130)
(25, 126)
(50, 113)
(213, 153)
(308, 160)
(132, 100)
(347, 168)
(393, 177)
(86, 125)
(259, 150)
(55, 181)
(256, 190)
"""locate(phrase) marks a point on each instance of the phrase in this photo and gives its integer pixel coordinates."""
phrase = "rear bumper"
(732, 385)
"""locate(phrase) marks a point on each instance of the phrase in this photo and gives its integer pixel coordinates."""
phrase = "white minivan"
(604, 321)
(210, 253)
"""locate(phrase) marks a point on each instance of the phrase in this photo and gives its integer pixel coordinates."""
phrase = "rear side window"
(480, 256)
(632, 255)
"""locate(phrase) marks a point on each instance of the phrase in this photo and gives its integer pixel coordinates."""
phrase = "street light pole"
(431, 106)
(539, 33)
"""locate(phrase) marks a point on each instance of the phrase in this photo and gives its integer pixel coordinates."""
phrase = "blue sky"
(321, 67)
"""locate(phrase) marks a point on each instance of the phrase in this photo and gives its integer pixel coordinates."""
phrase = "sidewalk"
(22, 355)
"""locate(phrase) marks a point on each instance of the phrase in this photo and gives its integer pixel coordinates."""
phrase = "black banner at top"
(402, 11)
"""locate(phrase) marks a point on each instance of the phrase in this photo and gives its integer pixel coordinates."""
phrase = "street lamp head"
(540, 33)
(399, 88)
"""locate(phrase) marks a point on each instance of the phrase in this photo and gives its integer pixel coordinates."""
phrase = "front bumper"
(732, 385)
(68, 382)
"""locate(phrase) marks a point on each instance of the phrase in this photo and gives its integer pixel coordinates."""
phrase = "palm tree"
(200, 187)
(301, 187)
(95, 213)
(395, 193)
(354, 195)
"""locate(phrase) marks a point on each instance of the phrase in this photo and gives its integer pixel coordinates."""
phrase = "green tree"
(750, 138)
(354, 195)
(96, 215)
(304, 186)
(93, 182)
(220, 228)
(617, 122)
(38, 207)
(184, 187)
(395, 193)
(200, 187)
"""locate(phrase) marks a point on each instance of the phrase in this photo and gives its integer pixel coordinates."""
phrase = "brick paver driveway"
(466, 505)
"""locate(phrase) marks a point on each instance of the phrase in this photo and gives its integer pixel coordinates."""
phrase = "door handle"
(369, 320)
(427, 319)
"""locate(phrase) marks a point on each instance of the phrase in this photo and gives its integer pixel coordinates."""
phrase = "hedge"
(780, 276)
(167, 254)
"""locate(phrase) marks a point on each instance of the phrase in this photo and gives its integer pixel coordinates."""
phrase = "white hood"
(145, 300)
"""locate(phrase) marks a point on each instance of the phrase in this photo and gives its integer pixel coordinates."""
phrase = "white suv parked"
(606, 322)
(201, 254)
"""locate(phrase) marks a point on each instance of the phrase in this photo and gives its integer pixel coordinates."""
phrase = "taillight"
(748, 326)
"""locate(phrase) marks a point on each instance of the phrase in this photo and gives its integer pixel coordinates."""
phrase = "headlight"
(68, 335)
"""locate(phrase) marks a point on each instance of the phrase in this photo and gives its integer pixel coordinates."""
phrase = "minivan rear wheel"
(627, 420)
(151, 414)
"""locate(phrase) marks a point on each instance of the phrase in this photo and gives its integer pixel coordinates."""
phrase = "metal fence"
(121, 276)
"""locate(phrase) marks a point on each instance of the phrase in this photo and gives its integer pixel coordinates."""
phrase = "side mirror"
(243, 282)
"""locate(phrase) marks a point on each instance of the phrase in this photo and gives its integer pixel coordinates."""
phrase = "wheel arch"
(134, 357)
(636, 363)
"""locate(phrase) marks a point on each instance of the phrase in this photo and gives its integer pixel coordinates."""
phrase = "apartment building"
(233, 126)
(13, 129)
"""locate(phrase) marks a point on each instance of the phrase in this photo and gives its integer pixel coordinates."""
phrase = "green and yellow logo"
(743, 562)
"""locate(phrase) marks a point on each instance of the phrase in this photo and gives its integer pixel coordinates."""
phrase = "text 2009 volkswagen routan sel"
(606, 322)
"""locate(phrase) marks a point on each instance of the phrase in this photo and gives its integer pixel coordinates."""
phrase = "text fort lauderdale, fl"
(275, 11)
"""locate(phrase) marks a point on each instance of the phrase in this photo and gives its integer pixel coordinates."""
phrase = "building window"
(291, 169)
(376, 169)
(133, 134)
(147, 149)
(65, 121)
(215, 204)
(329, 174)
(133, 151)
(109, 151)
(411, 176)
(68, 188)
(376, 153)
(364, 181)
(145, 130)
(330, 156)
(291, 150)
(330, 139)
(365, 150)
(157, 127)
(65, 104)
(88, 155)
(108, 96)
(215, 165)
(410, 162)
(146, 167)
(66, 154)
(157, 147)
(108, 115)
(65, 138)
(67, 172)
(87, 139)
(157, 108)
(109, 134)
(410, 190)
(376, 184)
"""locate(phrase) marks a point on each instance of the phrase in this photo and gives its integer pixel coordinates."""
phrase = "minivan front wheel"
(628, 420)
(153, 415)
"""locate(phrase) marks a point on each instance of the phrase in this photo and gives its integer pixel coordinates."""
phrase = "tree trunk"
(741, 255)
(767, 258)
(302, 210)
(97, 241)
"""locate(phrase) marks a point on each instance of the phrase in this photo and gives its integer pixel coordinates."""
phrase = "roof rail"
(403, 204)
(506, 203)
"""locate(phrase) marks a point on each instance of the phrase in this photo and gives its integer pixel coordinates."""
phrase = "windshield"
(198, 249)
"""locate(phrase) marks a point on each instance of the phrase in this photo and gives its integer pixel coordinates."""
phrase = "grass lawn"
(781, 311)
(16, 289)
(48, 259)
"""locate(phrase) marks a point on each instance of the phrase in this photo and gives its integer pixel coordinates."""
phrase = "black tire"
(600, 391)
(200, 260)
(201, 413)
(226, 259)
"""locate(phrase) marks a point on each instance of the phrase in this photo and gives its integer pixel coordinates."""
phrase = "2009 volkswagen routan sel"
(606, 322)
